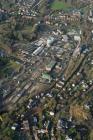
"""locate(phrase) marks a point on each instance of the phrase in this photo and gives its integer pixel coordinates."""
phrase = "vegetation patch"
(15, 65)
(59, 5)
(79, 112)
(8, 67)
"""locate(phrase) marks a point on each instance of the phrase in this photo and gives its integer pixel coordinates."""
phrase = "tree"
(91, 135)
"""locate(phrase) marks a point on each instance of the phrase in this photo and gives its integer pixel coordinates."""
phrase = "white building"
(77, 38)
(37, 51)
(50, 41)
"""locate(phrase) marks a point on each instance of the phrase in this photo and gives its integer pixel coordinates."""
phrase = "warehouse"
(37, 51)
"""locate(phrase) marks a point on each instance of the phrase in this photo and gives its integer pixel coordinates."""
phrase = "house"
(59, 84)
(90, 17)
(77, 38)
(67, 138)
(26, 125)
(43, 131)
(64, 38)
(14, 126)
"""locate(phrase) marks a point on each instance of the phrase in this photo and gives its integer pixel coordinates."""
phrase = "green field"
(59, 5)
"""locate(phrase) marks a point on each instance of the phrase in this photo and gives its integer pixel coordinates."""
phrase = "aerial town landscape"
(46, 69)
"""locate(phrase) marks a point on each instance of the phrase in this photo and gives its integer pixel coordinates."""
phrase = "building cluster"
(54, 79)
(72, 16)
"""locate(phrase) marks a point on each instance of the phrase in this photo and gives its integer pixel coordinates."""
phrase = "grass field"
(27, 29)
(59, 5)
(14, 65)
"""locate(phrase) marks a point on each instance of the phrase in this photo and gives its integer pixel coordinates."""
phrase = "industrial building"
(46, 77)
(50, 66)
